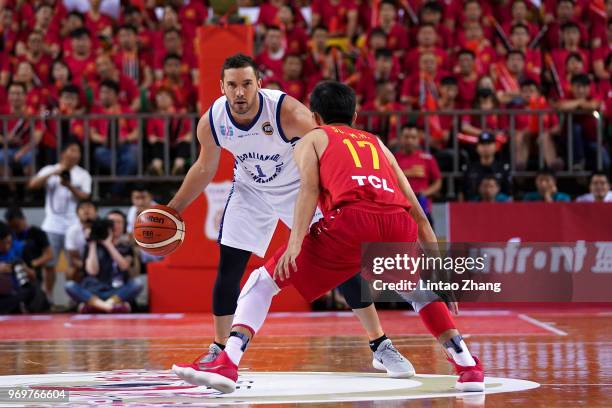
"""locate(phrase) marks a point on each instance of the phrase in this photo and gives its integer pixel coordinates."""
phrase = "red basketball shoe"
(471, 378)
(220, 373)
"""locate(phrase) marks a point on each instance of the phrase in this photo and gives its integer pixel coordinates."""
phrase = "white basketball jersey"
(263, 153)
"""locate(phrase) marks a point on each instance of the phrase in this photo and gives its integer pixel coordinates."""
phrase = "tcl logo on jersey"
(374, 181)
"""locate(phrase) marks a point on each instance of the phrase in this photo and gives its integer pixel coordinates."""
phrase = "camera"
(65, 176)
(20, 273)
(100, 229)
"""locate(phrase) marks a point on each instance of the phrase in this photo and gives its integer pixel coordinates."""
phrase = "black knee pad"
(356, 292)
(232, 265)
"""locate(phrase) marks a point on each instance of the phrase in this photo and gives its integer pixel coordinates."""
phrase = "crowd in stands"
(412, 57)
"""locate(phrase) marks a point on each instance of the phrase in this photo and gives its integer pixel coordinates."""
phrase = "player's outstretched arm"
(202, 171)
(426, 234)
(296, 119)
(307, 161)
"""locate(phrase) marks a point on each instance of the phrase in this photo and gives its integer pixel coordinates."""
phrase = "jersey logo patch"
(226, 130)
(267, 128)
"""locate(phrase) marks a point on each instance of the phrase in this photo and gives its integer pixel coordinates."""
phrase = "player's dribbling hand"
(282, 270)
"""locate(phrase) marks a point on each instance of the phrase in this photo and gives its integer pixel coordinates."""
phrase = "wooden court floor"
(568, 352)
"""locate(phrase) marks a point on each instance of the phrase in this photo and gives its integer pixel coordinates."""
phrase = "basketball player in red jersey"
(365, 197)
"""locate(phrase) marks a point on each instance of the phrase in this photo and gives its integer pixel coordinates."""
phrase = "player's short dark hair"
(569, 25)
(172, 56)
(5, 231)
(529, 82)
(128, 27)
(574, 55)
(378, 31)
(80, 32)
(388, 2)
(13, 213)
(334, 102)
(87, 201)
(465, 51)
(109, 83)
(598, 174)
(383, 53)
(433, 6)
(70, 89)
(449, 81)
(517, 26)
(78, 15)
(515, 52)
(581, 79)
(238, 61)
(20, 84)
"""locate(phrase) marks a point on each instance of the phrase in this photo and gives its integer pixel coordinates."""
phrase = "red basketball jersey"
(354, 169)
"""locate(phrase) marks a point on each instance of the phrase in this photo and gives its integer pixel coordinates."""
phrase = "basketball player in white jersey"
(259, 127)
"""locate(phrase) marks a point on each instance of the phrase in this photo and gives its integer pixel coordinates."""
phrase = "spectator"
(178, 130)
(295, 36)
(475, 41)
(270, 14)
(584, 124)
(73, 20)
(574, 65)
(65, 183)
(76, 237)
(135, 17)
(487, 164)
(315, 59)
(489, 191)
(385, 122)
(19, 289)
(419, 167)
(427, 41)
(37, 251)
(467, 78)
(564, 14)
(418, 88)
(129, 94)
(59, 76)
(34, 53)
(185, 95)
(520, 16)
(370, 76)
(81, 61)
(131, 61)
(520, 38)
(141, 200)
(570, 33)
(340, 16)
(508, 78)
(602, 53)
(599, 190)
(173, 44)
(35, 95)
(396, 34)
(546, 189)
(109, 260)
(528, 127)
(270, 59)
(485, 121)
(19, 152)
(96, 22)
(431, 13)
(292, 80)
(123, 130)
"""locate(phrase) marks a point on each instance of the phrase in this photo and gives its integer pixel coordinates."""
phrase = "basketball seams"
(179, 224)
(177, 238)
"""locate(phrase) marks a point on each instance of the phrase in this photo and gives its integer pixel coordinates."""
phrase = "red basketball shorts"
(331, 252)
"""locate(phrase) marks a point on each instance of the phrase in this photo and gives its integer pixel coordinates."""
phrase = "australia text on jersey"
(260, 176)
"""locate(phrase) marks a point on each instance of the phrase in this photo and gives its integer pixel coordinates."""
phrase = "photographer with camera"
(109, 263)
(19, 289)
(65, 183)
(76, 238)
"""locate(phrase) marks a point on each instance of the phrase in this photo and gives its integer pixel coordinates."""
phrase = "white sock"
(254, 300)
(464, 357)
(233, 348)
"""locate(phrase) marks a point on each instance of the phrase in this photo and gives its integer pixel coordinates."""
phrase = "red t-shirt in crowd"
(422, 167)
(81, 69)
(467, 91)
(334, 17)
(296, 41)
(128, 90)
(271, 67)
(126, 126)
(178, 129)
(411, 60)
(560, 55)
(185, 94)
(397, 38)
(295, 88)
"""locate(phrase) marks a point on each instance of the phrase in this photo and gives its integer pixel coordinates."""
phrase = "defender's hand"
(282, 270)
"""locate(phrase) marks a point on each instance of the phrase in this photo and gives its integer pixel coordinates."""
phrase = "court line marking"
(542, 325)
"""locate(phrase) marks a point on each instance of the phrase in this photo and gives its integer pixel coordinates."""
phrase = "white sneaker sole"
(216, 381)
(380, 366)
(470, 386)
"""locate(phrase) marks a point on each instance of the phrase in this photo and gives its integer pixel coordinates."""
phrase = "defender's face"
(240, 86)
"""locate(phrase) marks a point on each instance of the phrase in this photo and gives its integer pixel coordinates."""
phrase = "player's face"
(240, 86)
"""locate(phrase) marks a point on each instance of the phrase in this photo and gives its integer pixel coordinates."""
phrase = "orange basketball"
(159, 230)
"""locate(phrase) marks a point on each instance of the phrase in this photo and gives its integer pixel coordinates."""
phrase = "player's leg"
(385, 356)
